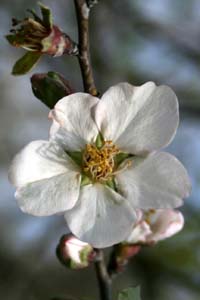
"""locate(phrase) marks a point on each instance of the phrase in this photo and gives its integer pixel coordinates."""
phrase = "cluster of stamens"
(30, 32)
(99, 163)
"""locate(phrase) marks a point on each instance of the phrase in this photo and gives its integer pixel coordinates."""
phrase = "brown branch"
(82, 12)
(104, 279)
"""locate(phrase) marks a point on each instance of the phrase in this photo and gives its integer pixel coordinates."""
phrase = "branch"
(103, 277)
(82, 12)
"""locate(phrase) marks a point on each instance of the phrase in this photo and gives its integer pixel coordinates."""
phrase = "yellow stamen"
(99, 163)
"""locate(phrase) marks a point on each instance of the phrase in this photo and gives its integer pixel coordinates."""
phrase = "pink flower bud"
(156, 225)
(74, 253)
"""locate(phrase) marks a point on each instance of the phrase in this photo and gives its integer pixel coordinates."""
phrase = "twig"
(103, 277)
(82, 12)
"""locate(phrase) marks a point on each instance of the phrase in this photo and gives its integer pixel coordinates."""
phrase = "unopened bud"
(121, 255)
(156, 225)
(74, 253)
(50, 87)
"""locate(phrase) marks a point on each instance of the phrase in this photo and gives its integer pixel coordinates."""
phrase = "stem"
(82, 13)
(103, 277)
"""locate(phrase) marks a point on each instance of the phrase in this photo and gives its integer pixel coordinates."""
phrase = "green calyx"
(121, 157)
(99, 141)
(85, 255)
(76, 156)
(111, 184)
(85, 180)
(82, 157)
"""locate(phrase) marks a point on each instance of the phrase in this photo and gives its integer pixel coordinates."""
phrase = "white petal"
(101, 217)
(164, 224)
(157, 181)
(39, 160)
(138, 119)
(49, 196)
(76, 128)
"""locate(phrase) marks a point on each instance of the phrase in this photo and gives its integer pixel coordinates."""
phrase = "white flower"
(115, 142)
(156, 225)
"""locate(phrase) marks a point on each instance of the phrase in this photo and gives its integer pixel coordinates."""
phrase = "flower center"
(99, 163)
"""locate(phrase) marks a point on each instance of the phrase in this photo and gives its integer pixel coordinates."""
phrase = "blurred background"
(134, 41)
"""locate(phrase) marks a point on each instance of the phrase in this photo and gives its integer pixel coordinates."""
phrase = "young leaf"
(130, 294)
(26, 63)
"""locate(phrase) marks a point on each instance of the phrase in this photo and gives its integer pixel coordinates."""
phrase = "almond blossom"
(102, 162)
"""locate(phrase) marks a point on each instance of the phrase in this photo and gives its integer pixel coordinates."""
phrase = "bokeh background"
(134, 41)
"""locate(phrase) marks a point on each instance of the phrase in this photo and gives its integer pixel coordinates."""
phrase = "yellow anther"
(99, 163)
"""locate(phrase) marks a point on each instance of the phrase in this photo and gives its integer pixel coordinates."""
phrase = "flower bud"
(74, 253)
(156, 225)
(50, 87)
(121, 255)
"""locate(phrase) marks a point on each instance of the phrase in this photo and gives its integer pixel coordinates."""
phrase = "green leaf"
(130, 294)
(50, 87)
(46, 15)
(26, 63)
